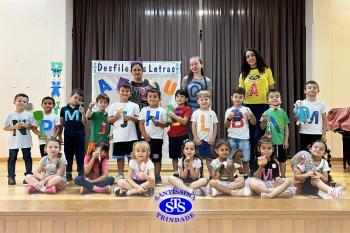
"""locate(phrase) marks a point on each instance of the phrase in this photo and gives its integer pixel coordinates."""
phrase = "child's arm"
(114, 118)
(264, 120)
(14, 127)
(323, 176)
(83, 116)
(214, 175)
(143, 130)
(89, 111)
(299, 176)
(193, 171)
(88, 167)
(61, 169)
(286, 137)
(56, 132)
(250, 116)
(215, 131)
(35, 130)
(196, 138)
(61, 129)
(324, 127)
(182, 120)
(132, 182)
(150, 178)
(160, 123)
(39, 172)
(183, 171)
(131, 118)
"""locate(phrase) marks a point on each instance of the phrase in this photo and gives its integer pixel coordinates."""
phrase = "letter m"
(68, 116)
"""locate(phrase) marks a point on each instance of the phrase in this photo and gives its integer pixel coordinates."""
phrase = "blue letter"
(103, 86)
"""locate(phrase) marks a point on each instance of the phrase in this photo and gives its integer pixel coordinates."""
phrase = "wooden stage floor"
(71, 212)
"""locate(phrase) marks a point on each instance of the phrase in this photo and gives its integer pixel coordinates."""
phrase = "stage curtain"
(275, 27)
(153, 30)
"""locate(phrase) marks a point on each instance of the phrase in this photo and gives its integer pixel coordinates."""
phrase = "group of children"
(139, 134)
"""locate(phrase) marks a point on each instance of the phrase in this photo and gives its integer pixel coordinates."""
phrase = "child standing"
(140, 179)
(266, 180)
(204, 127)
(237, 119)
(50, 124)
(275, 123)
(312, 176)
(99, 124)
(19, 123)
(189, 168)
(152, 121)
(316, 129)
(178, 132)
(123, 114)
(50, 176)
(73, 120)
(96, 171)
(223, 172)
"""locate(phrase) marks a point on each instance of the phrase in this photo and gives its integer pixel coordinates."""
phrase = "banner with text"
(107, 76)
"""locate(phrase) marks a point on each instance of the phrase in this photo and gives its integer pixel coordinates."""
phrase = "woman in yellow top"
(256, 79)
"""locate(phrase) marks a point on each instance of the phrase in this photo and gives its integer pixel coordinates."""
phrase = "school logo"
(175, 205)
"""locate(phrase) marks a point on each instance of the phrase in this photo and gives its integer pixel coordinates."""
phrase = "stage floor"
(20, 212)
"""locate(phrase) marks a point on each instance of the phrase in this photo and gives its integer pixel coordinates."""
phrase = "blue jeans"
(11, 162)
(81, 181)
(243, 144)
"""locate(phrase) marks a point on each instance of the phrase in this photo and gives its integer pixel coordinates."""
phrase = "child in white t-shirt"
(316, 128)
(237, 119)
(123, 114)
(152, 121)
(140, 179)
(204, 127)
(50, 125)
(19, 123)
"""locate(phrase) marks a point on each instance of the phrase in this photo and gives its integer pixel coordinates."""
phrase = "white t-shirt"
(48, 126)
(19, 138)
(239, 126)
(143, 168)
(205, 121)
(316, 109)
(51, 166)
(196, 163)
(124, 131)
(146, 114)
(323, 166)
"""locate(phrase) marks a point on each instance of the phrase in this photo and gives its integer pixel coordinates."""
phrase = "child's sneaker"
(337, 192)
(118, 177)
(286, 194)
(119, 192)
(149, 192)
(264, 196)
(324, 195)
(214, 192)
(50, 190)
(158, 179)
(247, 192)
(69, 177)
(31, 190)
(198, 192)
(11, 181)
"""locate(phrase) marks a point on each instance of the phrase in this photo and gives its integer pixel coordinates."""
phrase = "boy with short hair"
(152, 121)
(178, 132)
(73, 120)
(19, 122)
(50, 125)
(275, 123)
(204, 127)
(316, 129)
(100, 127)
(123, 114)
(237, 119)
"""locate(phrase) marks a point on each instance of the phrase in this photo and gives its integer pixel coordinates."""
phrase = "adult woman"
(139, 86)
(256, 79)
(195, 82)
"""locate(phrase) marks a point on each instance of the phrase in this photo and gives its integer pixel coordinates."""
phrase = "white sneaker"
(247, 192)
(324, 195)
(214, 192)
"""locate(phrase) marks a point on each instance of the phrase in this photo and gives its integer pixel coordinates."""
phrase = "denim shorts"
(243, 144)
(204, 150)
